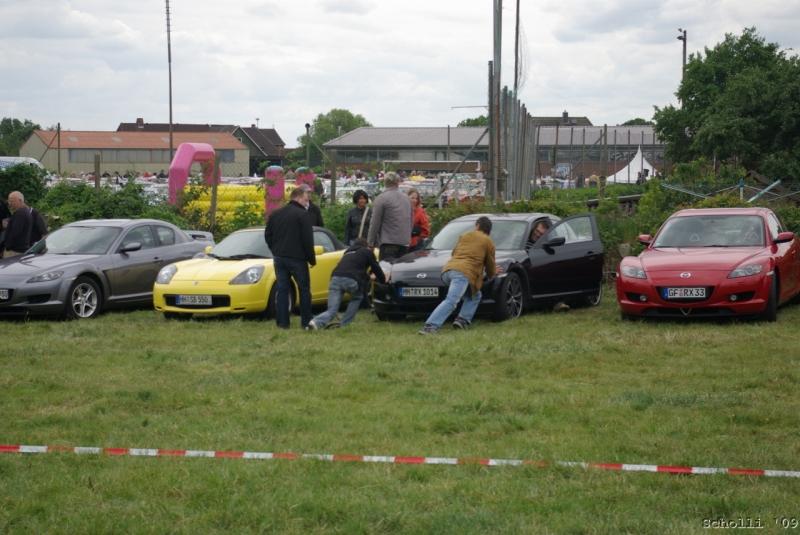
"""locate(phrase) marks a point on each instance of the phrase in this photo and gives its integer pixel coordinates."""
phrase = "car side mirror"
(318, 249)
(784, 237)
(555, 242)
(208, 248)
(645, 239)
(129, 247)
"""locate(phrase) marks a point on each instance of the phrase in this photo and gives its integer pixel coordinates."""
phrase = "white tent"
(629, 173)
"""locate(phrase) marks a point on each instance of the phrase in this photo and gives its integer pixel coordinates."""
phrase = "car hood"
(431, 261)
(213, 269)
(696, 258)
(30, 265)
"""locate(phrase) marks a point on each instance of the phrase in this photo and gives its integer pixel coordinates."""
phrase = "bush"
(25, 178)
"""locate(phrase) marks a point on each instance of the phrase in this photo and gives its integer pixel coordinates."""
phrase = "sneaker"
(428, 329)
(561, 307)
(460, 323)
(333, 325)
(312, 326)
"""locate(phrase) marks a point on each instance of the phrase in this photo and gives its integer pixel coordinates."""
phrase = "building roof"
(372, 137)
(141, 126)
(136, 140)
(562, 121)
(266, 139)
(368, 136)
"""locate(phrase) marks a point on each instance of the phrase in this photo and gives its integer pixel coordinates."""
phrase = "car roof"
(526, 216)
(124, 223)
(756, 210)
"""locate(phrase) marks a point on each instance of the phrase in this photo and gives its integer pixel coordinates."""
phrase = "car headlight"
(746, 271)
(634, 272)
(249, 276)
(45, 277)
(166, 274)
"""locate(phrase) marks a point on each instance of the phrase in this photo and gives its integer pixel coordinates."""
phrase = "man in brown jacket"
(463, 274)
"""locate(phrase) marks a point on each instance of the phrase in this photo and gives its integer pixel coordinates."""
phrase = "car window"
(321, 238)
(166, 236)
(576, 230)
(141, 234)
(506, 235)
(774, 226)
(702, 230)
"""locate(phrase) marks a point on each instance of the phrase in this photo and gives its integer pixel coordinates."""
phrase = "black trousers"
(388, 251)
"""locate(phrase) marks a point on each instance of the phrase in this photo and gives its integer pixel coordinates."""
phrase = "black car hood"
(25, 265)
(432, 261)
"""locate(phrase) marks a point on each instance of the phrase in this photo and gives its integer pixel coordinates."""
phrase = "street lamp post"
(308, 145)
(682, 37)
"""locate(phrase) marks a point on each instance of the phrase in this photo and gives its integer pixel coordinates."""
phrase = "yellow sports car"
(236, 276)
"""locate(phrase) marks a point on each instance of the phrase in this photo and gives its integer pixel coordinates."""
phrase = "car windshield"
(78, 240)
(505, 234)
(245, 244)
(712, 231)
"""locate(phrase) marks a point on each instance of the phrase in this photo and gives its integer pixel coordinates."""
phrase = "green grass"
(576, 386)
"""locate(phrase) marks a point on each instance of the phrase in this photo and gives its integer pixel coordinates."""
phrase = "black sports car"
(89, 265)
(565, 264)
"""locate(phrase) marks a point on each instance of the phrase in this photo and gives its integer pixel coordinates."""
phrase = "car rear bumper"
(730, 297)
(226, 298)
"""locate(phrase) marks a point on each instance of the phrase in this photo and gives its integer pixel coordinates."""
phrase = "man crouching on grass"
(349, 276)
(463, 273)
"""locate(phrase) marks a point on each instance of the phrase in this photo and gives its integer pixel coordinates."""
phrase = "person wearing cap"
(313, 210)
(390, 228)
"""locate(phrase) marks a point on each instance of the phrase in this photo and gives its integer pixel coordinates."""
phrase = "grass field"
(580, 386)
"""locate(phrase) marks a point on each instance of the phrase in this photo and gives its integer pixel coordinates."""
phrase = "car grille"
(217, 301)
(10, 296)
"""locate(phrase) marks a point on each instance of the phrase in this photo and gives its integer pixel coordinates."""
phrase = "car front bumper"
(387, 298)
(745, 296)
(226, 298)
(40, 298)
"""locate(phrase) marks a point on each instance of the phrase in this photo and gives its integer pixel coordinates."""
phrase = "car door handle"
(590, 253)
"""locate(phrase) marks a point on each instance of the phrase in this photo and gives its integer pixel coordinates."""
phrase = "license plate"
(193, 300)
(4, 295)
(684, 293)
(419, 292)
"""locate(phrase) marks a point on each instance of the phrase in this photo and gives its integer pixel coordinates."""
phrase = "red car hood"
(696, 258)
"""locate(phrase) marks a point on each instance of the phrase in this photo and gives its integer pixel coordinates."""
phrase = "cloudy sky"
(92, 64)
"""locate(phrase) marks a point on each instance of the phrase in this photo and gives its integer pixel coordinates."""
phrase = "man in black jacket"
(290, 237)
(25, 228)
(350, 276)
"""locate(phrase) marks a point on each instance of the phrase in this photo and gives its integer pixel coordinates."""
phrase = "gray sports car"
(87, 266)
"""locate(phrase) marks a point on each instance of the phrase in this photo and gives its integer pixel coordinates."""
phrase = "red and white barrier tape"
(146, 452)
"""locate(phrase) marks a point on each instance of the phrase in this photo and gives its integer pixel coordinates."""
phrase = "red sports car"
(712, 262)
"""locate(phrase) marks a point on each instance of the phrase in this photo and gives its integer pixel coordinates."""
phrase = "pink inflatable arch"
(304, 175)
(274, 186)
(185, 156)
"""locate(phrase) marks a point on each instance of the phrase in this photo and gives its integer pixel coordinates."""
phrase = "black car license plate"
(419, 292)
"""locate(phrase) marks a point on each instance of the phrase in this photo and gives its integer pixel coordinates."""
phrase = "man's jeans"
(298, 269)
(458, 288)
(336, 290)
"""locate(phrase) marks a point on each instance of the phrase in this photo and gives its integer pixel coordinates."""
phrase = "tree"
(25, 178)
(739, 104)
(13, 133)
(637, 122)
(325, 127)
(481, 120)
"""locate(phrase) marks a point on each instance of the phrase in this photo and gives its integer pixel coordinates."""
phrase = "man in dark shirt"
(25, 227)
(313, 209)
(350, 276)
(5, 217)
(291, 239)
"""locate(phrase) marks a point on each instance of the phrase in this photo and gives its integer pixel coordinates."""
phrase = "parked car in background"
(565, 264)
(712, 262)
(87, 266)
(237, 276)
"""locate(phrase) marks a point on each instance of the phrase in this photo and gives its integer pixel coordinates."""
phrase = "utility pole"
(169, 66)
(308, 145)
(495, 104)
(58, 135)
(682, 37)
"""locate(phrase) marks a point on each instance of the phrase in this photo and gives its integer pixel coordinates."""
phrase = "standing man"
(463, 274)
(291, 240)
(390, 227)
(25, 227)
(313, 210)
